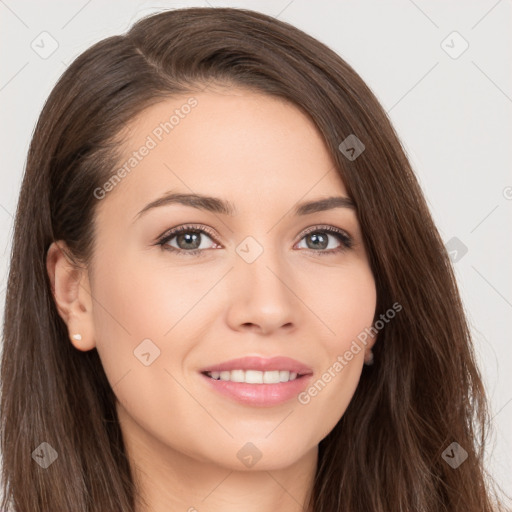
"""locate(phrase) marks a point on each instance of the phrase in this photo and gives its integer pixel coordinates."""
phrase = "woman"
(227, 291)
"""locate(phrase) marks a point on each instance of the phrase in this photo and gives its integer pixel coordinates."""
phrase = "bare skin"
(263, 156)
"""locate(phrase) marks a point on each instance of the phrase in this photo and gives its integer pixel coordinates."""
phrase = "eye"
(186, 240)
(317, 240)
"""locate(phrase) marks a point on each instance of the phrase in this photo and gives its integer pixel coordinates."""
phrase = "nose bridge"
(261, 261)
(262, 287)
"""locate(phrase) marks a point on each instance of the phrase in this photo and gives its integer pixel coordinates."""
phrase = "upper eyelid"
(319, 227)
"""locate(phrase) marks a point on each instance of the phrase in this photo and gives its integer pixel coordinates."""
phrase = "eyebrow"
(217, 205)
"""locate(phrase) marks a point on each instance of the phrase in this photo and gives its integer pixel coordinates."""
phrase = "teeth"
(254, 376)
(224, 375)
(235, 376)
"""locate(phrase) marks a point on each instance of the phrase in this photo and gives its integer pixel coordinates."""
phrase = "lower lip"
(262, 395)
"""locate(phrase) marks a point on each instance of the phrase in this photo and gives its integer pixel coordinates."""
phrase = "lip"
(262, 364)
(260, 395)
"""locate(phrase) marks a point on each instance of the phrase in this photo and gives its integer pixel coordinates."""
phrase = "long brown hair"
(424, 391)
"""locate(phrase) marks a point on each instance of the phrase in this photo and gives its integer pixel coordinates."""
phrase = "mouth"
(255, 376)
(257, 381)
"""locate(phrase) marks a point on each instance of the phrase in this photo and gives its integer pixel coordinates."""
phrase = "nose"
(262, 297)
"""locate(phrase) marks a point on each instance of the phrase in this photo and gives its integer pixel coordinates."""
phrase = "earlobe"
(70, 288)
(368, 354)
(368, 357)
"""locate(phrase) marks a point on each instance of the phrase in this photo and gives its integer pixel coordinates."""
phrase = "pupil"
(189, 239)
(320, 237)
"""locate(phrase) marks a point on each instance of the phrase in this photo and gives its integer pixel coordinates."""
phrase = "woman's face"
(257, 285)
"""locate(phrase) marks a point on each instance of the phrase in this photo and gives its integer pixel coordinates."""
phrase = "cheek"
(136, 310)
(346, 304)
(344, 300)
(357, 304)
(140, 298)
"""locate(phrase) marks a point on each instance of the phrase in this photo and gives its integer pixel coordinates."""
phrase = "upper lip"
(262, 364)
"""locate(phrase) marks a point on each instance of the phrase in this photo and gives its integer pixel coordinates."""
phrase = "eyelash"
(346, 241)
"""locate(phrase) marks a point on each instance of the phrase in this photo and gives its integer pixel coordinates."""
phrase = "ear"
(368, 354)
(71, 292)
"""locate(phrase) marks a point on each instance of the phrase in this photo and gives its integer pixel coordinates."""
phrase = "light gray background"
(453, 116)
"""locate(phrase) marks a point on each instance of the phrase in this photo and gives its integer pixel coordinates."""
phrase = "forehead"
(253, 149)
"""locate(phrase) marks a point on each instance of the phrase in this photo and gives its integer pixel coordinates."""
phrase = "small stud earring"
(369, 361)
(77, 337)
